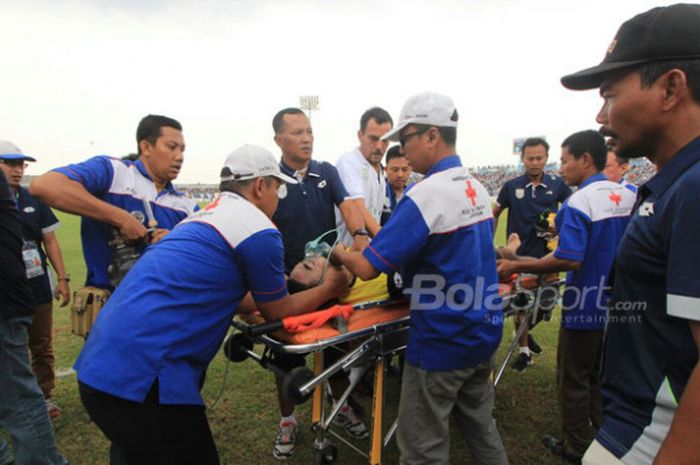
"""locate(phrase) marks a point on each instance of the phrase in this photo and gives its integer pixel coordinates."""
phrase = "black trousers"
(578, 378)
(287, 362)
(150, 433)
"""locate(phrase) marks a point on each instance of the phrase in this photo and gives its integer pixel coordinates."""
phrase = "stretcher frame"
(375, 343)
(530, 309)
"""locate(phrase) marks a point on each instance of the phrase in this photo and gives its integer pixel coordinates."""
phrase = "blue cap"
(9, 151)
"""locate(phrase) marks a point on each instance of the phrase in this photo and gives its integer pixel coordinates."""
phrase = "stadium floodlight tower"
(309, 103)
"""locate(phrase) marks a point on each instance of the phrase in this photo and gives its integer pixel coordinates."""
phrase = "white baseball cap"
(9, 151)
(250, 162)
(429, 109)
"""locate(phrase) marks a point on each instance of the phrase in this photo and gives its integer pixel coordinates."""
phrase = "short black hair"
(449, 135)
(650, 72)
(149, 129)
(621, 160)
(278, 120)
(379, 115)
(295, 286)
(393, 152)
(588, 141)
(534, 142)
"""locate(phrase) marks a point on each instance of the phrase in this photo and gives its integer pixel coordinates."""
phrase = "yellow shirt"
(367, 291)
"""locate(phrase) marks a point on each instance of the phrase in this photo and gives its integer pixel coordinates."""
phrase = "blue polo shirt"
(169, 315)
(649, 350)
(123, 184)
(37, 220)
(307, 210)
(390, 203)
(525, 202)
(590, 224)
(441, 235)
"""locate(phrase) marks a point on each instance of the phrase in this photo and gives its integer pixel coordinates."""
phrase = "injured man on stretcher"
(309, 273)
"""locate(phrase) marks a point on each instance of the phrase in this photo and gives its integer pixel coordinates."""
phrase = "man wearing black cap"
(40, 242)
(22, 408)
(650, 83)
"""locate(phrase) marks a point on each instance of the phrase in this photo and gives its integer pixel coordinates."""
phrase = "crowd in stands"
(494, 176)
(491, 176)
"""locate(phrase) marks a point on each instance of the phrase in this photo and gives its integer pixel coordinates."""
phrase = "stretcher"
(375, 331)
(367, 334)
(536, 296)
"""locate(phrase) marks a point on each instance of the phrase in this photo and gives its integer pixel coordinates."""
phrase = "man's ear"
(433, 134)
(675, 88)
(144, 147)
(277, 140)
(259, 187)
(587, 160)
(359, 135)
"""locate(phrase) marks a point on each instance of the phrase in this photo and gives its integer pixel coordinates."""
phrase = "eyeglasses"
(15, 163)
(403, 139)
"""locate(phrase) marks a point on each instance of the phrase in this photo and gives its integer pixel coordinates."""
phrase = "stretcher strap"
(299, 323)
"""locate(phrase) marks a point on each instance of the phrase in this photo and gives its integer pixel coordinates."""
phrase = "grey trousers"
(427, 400)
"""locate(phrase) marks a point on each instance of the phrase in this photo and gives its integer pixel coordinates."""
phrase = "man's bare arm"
(353, 221)
(355, 262)
(53, 252)
(681, 446)
(497, 210)
(334, 285)
(58, 191)
(546, 264)
(370, 223)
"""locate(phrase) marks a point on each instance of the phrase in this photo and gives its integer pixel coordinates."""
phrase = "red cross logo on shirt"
(471, 193)
(615, 198)
(214, 204)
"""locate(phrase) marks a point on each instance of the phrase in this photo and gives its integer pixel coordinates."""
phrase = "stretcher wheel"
(326, 455)
(296, 378)
(236, 347)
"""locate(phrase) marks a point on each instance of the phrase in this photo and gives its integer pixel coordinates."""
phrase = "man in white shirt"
(362, 174)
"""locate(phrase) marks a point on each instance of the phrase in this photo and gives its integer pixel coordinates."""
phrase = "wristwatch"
(64, 278)
(360, 232)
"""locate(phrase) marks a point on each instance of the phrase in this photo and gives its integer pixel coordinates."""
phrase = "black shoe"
(522, 362)
(356, 407)
(533, 345)
(556, 447)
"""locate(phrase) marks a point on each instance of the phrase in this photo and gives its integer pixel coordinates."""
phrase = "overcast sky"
(77, 76)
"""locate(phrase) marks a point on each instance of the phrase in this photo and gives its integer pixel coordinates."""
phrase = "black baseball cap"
(660, 34)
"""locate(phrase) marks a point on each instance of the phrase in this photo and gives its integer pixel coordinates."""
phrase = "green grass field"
(245, 417)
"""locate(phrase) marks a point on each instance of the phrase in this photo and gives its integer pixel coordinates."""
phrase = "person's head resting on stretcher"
(309, 272)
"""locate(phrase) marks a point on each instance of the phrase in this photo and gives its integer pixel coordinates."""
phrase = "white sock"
(354, 374)
(525, 350)
(289, 419)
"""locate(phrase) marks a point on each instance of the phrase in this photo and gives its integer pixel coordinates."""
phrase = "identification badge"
(32, 260)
